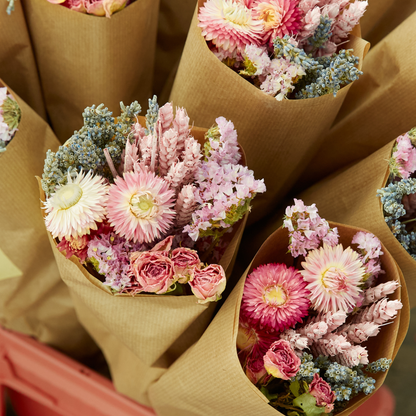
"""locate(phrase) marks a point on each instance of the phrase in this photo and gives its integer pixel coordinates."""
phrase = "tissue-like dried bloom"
(369, 243)
(275, 297)
(334, 276)
(229, 25)
(76, 207)
(140, 206)
(280, 17)
(403, 160)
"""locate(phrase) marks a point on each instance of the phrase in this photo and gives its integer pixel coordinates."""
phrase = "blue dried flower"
(151, 115)
(335, 72)
(85, 149)
(322, 33)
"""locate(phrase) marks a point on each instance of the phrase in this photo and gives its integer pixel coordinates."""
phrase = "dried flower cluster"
(301, 330)
(287, 48)
(399, 196)
(10, 115)
(132, 201)
(94, 7)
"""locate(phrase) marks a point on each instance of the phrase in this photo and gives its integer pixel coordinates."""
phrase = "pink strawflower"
(229, 25)
(334, 276)
(140, 206)
(275, 297)
(280, 18)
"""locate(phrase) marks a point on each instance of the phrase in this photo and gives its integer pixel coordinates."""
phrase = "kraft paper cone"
(141, 335)
(85, 59)
(212, 381)
(383, 16)
(279, 137)
(350, 197)
(34, 301)
(378, 106)
(172, 29)
(17, 62)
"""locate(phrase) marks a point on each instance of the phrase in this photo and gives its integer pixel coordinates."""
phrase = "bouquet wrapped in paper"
(18, 66)
(302, 333)
(84, 58)
(376, 108)
(33, 298)
(377, 194)
(149, 213)
(278, 70)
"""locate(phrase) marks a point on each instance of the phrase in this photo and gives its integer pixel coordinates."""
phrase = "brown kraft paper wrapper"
(85, 59)
(383, 16)
(172, 29)
(35, 301)
(17, 62)
(142, 335)
(379, 106)
(212, 381)
(350, 197)
(279, 137)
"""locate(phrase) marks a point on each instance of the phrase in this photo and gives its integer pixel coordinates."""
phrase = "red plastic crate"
(43, 382)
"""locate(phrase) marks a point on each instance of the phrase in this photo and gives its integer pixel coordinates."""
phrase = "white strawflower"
(73, 210)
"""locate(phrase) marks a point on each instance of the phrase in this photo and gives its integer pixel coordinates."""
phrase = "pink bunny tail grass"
(185, 206)
(380, 291)
(168, 154)
(379, 312)
(358, 333)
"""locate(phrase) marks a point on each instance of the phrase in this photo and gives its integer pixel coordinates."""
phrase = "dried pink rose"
(281, 361)
(322, 392)
(153, 271)
(255, 370)
(185, 262)
(208, 284)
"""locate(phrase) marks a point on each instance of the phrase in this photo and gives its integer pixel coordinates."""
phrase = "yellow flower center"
(334, 279)
(68, 195)
(271, 16)
(235, 14)
(144, 205)
(275, 295)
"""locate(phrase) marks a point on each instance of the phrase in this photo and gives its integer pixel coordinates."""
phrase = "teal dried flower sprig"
(322, 33)
(85, 149)
(284, 49)
(333, 73)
